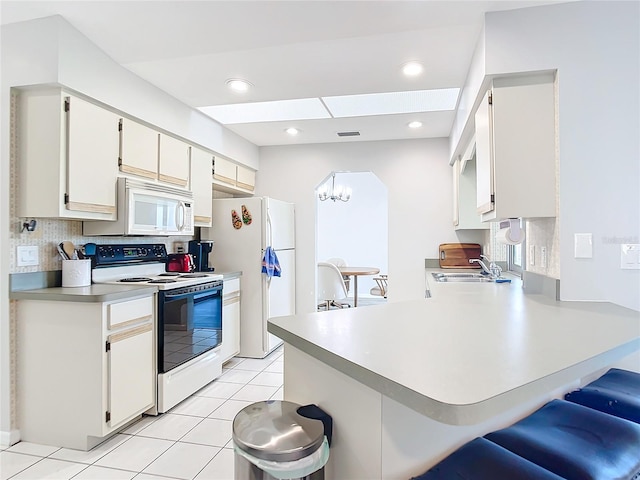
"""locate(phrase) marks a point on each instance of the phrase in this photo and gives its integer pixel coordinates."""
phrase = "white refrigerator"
(242, 249)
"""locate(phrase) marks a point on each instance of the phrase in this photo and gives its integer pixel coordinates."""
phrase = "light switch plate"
(630, 256)
(583, 245)
(27, 256)
(532, 254)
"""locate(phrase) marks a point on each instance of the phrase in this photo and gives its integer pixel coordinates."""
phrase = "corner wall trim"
(537, 284)
(9, 438)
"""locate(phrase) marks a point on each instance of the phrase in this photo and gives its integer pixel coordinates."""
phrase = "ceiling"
(287, 50)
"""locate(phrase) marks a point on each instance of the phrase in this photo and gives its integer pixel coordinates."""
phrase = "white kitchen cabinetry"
(67, 150)
(232, 178)
(245, 178)
(173, 165)
(85, 369)
(138, 149)
(201, 186)
(515, 149)
(230, 319)
(465, 216)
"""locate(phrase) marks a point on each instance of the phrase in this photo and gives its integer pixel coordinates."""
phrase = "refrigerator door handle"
(269, 231)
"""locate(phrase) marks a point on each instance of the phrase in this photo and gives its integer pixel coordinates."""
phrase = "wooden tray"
(457, 255)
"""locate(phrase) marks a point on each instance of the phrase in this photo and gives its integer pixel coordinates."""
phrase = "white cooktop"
(152, 272)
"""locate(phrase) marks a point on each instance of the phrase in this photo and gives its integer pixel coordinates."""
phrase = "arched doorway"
(355, 230)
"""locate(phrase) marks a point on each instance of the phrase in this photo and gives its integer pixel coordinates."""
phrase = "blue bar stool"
(481, 459)
(575, 442)
(617, 393)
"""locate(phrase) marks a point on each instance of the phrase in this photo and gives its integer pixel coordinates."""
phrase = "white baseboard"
(9, 438)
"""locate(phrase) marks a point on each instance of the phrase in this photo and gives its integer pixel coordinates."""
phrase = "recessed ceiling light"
(238, 85)
(411, 69)
(292, 131)
(415, 124)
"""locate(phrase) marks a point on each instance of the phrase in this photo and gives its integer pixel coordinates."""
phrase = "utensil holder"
(76, 273)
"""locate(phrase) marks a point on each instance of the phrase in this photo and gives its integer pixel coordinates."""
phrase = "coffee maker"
(200, 249)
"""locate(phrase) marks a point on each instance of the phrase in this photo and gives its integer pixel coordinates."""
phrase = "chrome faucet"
(492, 270)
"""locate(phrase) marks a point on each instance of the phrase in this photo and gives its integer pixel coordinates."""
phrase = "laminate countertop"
(96, 292)
(470, 351)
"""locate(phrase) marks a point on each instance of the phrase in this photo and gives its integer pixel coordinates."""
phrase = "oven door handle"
(178, 296)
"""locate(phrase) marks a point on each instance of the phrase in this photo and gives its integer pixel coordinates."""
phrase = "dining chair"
(340, 262)
(331, 287)
(382, 287)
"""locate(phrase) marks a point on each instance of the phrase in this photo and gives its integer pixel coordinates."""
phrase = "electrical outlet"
(543, 257)
(532, 254)
(27, 256)
(630, 256)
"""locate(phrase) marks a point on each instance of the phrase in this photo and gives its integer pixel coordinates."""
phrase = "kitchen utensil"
(457, 255)
(89, 249)
(70, 249)
(62, 252)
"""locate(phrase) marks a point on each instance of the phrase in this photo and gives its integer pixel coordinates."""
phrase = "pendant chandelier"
(334, 193)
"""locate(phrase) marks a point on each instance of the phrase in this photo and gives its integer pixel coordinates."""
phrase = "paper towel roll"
(510, 235)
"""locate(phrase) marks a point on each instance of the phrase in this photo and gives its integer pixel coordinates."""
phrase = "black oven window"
(192, 325)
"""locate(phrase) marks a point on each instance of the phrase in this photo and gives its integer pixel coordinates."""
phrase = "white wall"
(418, 178)
(596, 48)
(344, 227)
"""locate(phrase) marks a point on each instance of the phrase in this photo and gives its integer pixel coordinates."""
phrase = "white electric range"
(188, 316)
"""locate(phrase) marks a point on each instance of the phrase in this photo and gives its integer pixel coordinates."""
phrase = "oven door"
(189, 323)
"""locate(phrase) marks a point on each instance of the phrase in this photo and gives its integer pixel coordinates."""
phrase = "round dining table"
(355, 272)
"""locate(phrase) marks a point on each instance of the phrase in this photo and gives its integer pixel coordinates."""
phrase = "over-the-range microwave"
(147, 209)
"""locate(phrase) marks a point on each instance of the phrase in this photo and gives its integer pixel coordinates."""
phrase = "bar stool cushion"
(575, 442)
(481, 459)
(617, 393)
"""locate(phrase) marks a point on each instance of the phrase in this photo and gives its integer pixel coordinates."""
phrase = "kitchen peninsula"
(407, 383)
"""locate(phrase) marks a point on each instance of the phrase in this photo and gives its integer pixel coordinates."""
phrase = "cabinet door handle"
(117, 337)
(230, 300)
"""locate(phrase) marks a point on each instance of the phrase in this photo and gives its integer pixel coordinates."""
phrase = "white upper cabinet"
(516, 148)
(465, 216)
(173, 166)
(246, 178)
(201, 185)
(233, 178)
(138, 149)
(68, 151)
(224, 172)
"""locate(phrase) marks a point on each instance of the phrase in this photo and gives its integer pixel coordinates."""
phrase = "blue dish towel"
(270, 263)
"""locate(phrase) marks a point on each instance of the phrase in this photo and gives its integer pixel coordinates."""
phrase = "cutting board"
(457, 255)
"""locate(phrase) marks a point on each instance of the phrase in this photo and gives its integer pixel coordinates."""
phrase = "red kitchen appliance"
(180, 262)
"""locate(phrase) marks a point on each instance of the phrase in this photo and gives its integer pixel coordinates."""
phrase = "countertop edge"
(231, 275)
(82, 294)
(451, 414)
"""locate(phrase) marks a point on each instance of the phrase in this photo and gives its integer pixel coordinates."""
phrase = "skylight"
(392, 102)
(277, 111)
(337, 107)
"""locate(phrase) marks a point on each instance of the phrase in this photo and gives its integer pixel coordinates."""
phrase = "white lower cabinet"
(85, 369)
(230, 319)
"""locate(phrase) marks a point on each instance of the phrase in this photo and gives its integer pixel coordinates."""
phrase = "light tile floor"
(191, 441)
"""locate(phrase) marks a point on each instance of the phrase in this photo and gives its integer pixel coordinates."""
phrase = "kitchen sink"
(461, 277)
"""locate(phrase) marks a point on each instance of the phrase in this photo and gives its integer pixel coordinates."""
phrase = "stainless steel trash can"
(273, 441)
